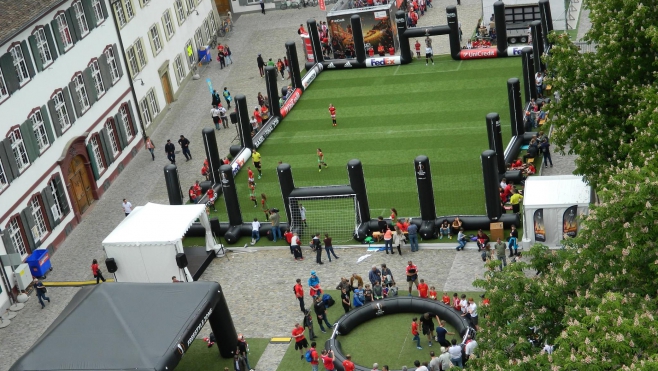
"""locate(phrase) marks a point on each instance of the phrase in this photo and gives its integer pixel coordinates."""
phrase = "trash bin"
(39, 263)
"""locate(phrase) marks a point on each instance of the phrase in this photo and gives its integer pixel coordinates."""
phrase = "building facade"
(68, 120)
(161, 40)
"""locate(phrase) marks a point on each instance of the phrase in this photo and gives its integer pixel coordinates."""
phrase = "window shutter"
(6, 161)
(106, 76)
(28, 60)
(76, 99)
(9, 245)
(9, 73)
(73, 24)
(13, 166)
(146, 57)
(151, 41)
(47, 124)
(29, 140)
(69, 105)
(105, 143)
(55, 122)
(89, 14)
(51, 41)
(104, 8)
(28, 222)
(48, 202)
(92, 94)
(58, 37)
(35, 52)
(133, 118)
(92, 160)
(115, 51)
(61, 194)
(160, 35)
(121, 129)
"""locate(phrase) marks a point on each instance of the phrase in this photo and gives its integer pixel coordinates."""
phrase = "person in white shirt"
(222, 116)
(214, 112)
(456, 354)
(472, 309)
(419, 367)
(444, 359)
(302, 214)
(539, 82)
(255, 231)
(463, 304)
(127, 206)
(295, 247)
(470, 348)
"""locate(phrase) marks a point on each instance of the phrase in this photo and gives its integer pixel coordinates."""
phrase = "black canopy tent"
(131, 326)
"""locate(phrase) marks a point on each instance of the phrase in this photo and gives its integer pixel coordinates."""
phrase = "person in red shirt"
(192, 194)
(315, 359)
(403, 225)
(456, 303)
(288, 236)
(371, 52)
(332, 112)
(300, 340)
(445, 299)
(197, 189)
(415, 333)
(348, 365)
(211, 198)
(412, 275)
(98, 275)
(414, 18)
(299, 294)
(422, 289)
(417, 45)
(328, 359)
(432, 293)
(257, 116)
(250, 175)
(227, 161)
(391, 50)
(381, 51)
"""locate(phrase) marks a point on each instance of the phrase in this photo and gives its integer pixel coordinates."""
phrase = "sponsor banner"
(240, 159)
(311, 75)
(570, 222)
(341, 64)
(377, 29)
(515, 51)
(383, 61)
(265, 131)
(540, 230)
(290, 102)
(323, 5)
(478, 53)
(380, 15)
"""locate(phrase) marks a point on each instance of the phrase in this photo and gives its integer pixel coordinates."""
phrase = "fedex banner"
(290, 102)
(311, 75)
(478, 53)
(383, 61)
(515, 51)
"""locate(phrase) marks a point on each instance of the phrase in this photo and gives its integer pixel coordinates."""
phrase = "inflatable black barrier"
(293, 64)
(528, 66)
(174, 190)
(271, 77)
(546, 20)
(501, 26)
(212, 155)
(537, 45)
(495, 136)
(490, 179)
(380, 308)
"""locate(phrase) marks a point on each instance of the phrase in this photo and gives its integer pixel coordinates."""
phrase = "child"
(417, 45)
(445, 299)
(422, 289)
(432, 293)
(385, 292)
(456, 304)
(321, 160)
(264, 207)
(367, 293)
(393, 290)
(252, 193)
(357, 299)
(377, 291)
(332, 112)
(414, 332)
(250, 175)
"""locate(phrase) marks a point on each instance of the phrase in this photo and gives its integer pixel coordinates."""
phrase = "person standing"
(296, 247)
(227, 53)
(214, 113)
(321, 313)
(417, 46)
(262, 8)
(127, 207)
(150, 146)
(317, 247)
(275, 219)
(314, 285)
(321, 160)
(456, 354)
(255, 157)
(415, 333)
(171, 151)
(315, 358)
(345, 299)
(223, 117)
(215, 98)
(308, 323)
(412, 275)
(259, 61)
(348, 365)
(441, 333)
(328, 358)
(98, 275)
(375, 275)
(469, 348)
(332, 112)
(412, 232)
(539, 83)
(429, 55)
(221, 59)
(544, 148)
(444, 359)
(427, 324)
(387, 276)
(302, 214)
(398, 240)
(472, 310)
(185, 147)
(328, 247)
(300, 340)
(41, 292)
(512, 242)
(255, 231)
(500, 248)
(227, 97)
(242, 350)
(299, 293)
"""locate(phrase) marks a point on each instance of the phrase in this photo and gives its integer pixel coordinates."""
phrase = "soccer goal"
(336, 215)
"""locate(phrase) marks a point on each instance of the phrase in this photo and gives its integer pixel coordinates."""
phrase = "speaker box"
(111, 265)
(234, 118)
(181, 260)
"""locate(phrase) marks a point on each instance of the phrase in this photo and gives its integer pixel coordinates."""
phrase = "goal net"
(337, 216)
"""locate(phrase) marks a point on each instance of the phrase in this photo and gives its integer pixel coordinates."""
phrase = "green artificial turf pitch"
(386, 117)
(201, 358)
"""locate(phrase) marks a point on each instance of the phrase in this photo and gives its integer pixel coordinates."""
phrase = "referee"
(255, 157)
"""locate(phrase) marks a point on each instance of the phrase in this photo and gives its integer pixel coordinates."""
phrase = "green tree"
(603, 92)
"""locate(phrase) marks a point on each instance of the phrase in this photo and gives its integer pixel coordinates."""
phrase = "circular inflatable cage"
(380, 308)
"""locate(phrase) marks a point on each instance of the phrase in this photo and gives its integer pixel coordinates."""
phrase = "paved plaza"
(258, 285)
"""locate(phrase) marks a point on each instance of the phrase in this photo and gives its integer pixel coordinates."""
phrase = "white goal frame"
(339, 232)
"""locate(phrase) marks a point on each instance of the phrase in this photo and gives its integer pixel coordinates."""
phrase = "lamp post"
(125, 67)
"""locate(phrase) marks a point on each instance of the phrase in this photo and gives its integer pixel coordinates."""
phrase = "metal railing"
(584, 47)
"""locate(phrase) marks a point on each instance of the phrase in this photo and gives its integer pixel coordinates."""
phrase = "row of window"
(124, 10)
(105, 146)
(25, 58)
(28, 141)
(25, 231)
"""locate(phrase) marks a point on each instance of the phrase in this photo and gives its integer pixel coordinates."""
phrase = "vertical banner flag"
(209, 85)
(323, 5)
(540, 230)
(570, 222)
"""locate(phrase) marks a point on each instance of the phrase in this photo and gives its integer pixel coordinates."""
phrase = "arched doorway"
(80, 184)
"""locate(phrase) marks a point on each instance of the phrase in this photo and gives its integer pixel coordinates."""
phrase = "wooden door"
(223, 6)
(80, 184)
(166, 87)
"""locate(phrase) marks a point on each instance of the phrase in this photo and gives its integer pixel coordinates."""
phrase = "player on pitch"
(321, 160)
(255, 156)
(332, 111)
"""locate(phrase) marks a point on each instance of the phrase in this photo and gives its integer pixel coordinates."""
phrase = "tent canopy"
(155, 224)
(123, 326)
(556, 191)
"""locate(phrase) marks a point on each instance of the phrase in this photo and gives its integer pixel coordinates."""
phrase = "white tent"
(145, 244)
(552, 208)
